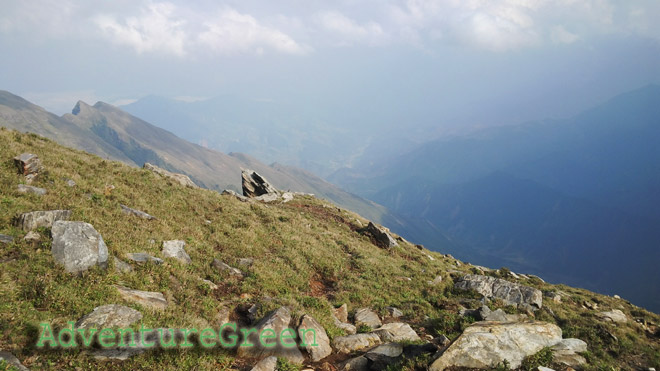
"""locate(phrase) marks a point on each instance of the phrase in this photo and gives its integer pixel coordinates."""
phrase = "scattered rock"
(486, 344)
(142, 257)
(347, 327)
(442, 341)
(384, 355)
(398, 331)
(78, 246)
(27, 164)
(353, 343)
(117, 354)
(491, 287)
(229, 192)
(615, 315)
(314, 335)
(32, 236)
(359, 363)
(6, 239)
(541, 368)
(154, 300)
(183, 180)
(286, 197)
(553, 296)
(121, 266)
(394, 312)
(271, 197)
(210, 284)
(341, 313)
(277, 320)
(255, 185)
(37, 219)
(127, 210)
(175, 249)
(485, 314)
(223, 316)
(247, 262)
(70, 183)
(22, 188)
(381, 236)
(266, 364)
(222, 267)
(366, 317)
(436, 281)
(12, 360)
(565, 352)
(616, 297)
(108, 316)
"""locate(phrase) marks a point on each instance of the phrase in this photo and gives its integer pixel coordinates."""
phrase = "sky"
(405, 62)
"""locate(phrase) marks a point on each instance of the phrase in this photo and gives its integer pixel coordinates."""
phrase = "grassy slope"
(307, 256)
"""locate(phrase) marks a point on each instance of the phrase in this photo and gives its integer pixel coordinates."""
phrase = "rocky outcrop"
(254, 185)
(29, 165)
(491, 287)
(353, 343)
(566, 352)
(382, 237)
(313, 335)
(223, 267)
(486, 344)
(45, 219)
(615, 315)
(486, 314)
(22, 188)
(229, 192)
(107, 316)
(175, 249)
(366, 317)
(149, 299)
(181, 179)
(141, 214)
(341, 313)
(78, 246)
(384, 355)
(277, 320)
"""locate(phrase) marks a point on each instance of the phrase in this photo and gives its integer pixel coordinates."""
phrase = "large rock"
(27, 163)
(266, 364)
(22, 188)
(255, 185)
(107, 316)
(565, 352)
(12, 360)
(615, 315)
(491, 287)
(486, 344)
(175, 249)
(277, 320)
(141, 214)
(397, 331)
(381, 236)
(352, 343)
(78, 246)
(366, 317)
(149, 299)
(37, 219)
(184, 180)
(315, 338)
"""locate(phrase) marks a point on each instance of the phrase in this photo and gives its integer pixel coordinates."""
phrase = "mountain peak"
(80, 107)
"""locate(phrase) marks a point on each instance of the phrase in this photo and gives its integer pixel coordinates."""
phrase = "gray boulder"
(394, 312)
(143, 257)
(566, 352)
(486, 344)
(37, 219)
(22, 188)
(12, 360)
(149, 299)
(277, 320)
(381, 236)
(255, 185)
(181, 179)
(6, 239)
(175, 249)
(366, 317)
(78, 246)
(352, 343)
(614, 315)
(347, 327)
(107, 316)
(399, 331)
(314, 336)
(491, 287)
(27, 163)
(141, 214)
(384, 355)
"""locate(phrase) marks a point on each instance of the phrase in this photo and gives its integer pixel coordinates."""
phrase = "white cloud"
(351, 31)
(560, 35)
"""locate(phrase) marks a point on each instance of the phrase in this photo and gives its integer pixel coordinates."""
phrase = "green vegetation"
(308, 255)
(542, 358)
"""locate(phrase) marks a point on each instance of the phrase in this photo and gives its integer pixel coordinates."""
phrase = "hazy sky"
(414, 61)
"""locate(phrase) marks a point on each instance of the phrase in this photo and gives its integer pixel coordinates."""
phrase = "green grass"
(308, 255)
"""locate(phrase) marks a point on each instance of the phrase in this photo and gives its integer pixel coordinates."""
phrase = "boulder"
(341, 313)
(141, 214)
(266, 364)
(27, 163)
(12, 360)
(383, 239)
(347, 327)
(154, 300)
(360, 363)
(565, 352)
(315, 337)
(255, 185)
(366, 317)
(108, 316)
(22, 188)
(353, 343)
(486, 344)
(37, 219)
(143, 257)
(223, 267)
(277, 320)
(229, 192)
(183, 180)
(399, 331)
(491, 287)
(615, 315)
(6, 239)
(384, 355)
(175, 249)
(78, 246)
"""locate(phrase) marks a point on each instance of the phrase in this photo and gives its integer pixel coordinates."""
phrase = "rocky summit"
(311, 286)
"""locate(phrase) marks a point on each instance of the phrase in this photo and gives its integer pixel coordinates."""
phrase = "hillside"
(114, 134)
(306, 255)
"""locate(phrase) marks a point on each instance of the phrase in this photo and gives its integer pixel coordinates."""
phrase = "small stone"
(12, 360)
(127, 210)
(181, 179)
(70, 183)
(277, 320)
(222, 267)
(266, 364)
(6, 239)
(366, 317)
(255, 185)
(107, 316)
(38, 219)
(142, 257)
(27, 163)
(175, 249)
(154, 300)
(22, 188)
(617, 297)
(394, 312)
(229, 192)
(352, 343)
(400, 331)
(341, 313)
(436, 281)
(615, 315)
(32, 236)
(210, 284)
(247, 262)
(359, 363)
(314, 336)
(121, 266)
(382, 237)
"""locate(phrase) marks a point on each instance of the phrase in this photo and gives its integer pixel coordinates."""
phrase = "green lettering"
(234, 338)
(171, 343)
(50, 338)
(303, 336)
(284, 337)
(246, 334)
(186, 333)
(87, 341)
(72, 336)
(122, 338)
(143, 340)
(107, 334)
(203, 338)
(263, 337)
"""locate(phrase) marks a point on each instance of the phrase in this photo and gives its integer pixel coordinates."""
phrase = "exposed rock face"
(347, 327)
(184, 180)
(22, 188)
(78, 246)
(277, 321)
(27, 164)
(142, 257)
(318, 343)
(341, 313)
(485, 314)
(255, 185)
(111, 315)
(382, 237)
(229, 192)
(485, 344)
(150, 299)
(613, 316)
(565, 352)
(352, 343)
(222, 267)
(6, 239)
(175, 249)
(491, 287)
(266, 364)
(399, 331)
(127, 210)
(366, 317)
(36, 219)
(12, 360)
